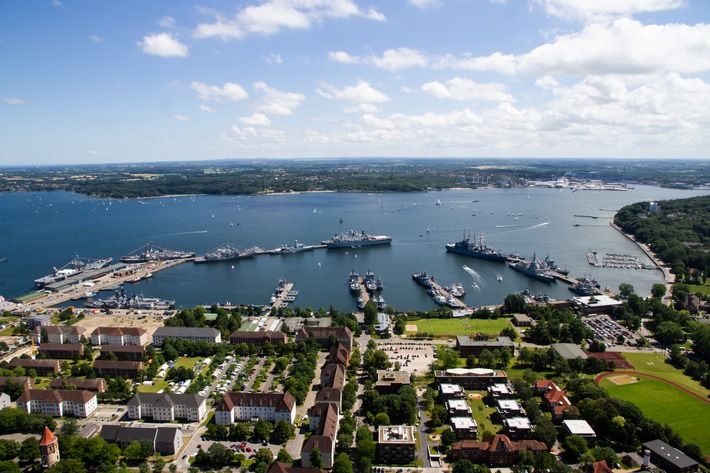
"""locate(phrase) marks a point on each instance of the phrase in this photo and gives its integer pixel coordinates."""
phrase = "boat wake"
(477, 278)
(538, 225)
(183, 233)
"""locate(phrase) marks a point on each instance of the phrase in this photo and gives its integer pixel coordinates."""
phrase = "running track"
(614, 373)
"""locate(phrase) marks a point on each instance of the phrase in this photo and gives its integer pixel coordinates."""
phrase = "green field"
(667, 405)
(655, 363)
(704, 289)
(462, 326)
(159, 384)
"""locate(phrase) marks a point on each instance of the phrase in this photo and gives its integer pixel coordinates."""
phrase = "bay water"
(45, 230)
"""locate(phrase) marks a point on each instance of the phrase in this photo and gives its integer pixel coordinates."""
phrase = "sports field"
(655, 364)
(463, 326)
(666, 404)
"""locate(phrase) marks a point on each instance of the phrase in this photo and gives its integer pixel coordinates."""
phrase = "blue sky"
(138, 81)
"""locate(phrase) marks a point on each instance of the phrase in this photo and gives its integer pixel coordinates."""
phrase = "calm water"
(42, 230)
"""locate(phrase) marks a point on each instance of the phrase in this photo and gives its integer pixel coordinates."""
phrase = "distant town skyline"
(132, 81)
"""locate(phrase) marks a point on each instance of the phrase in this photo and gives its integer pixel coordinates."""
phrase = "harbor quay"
(129, 273)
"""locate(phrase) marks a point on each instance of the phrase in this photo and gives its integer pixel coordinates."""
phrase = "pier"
(74, 291)
(457, 302)
(286, 295)
(592, 258)
(364, 295)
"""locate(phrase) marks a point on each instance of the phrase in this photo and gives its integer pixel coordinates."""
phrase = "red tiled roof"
(48, 438)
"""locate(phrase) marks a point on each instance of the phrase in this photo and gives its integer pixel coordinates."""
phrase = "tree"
(284, 457)
(71, 465)
(658, 290)
(138, 450)
(575, 446)
(158, 465)
(316, 459)
(514, 303)
(264, 455)
(341, 464)
(9, 467)
(463, 466)
(625, 290)
(219, 455)
(283, 431)
(669, 333)
(13, 389)
(29, 451)
(370, 313)
(381, 418)
(545, 432)
(70, 426)
(9, 449)
(262, 429)
(448, 437)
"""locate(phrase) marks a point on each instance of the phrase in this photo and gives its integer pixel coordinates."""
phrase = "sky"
(113, 81)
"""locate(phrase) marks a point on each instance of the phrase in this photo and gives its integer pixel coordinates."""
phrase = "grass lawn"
(159, 384)
(482, 413)
(655, 363)
(704, 289)
(462, 326)
(667, 405)
(190, 363)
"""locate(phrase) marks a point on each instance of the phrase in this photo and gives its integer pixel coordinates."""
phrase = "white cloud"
(164, 45)
(498, 62)
(219, 29)
(14, 101)
(167, 22)
(596, 9)
(257, 119)
(181, 118)
(272, 16)
(624, 46)
(94, 38)
(362, 108)
(273, 59)
(392, 60)
(56, 3)
(460, 88)
(424, 4)
(276, 102)
(360, 93)
(229, 91)
(205, 108)
(343, 57)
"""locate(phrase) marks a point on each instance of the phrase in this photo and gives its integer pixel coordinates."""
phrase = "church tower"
(49, 448)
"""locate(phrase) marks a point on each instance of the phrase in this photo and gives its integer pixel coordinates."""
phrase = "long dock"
(363, 291)
(129, 273)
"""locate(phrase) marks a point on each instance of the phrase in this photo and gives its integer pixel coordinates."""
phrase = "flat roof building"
(396, 444)
(670, 459)
(390, 382)
(464, 428)
(568, 351)
(468, 346)
(471, 379)
(195, 334)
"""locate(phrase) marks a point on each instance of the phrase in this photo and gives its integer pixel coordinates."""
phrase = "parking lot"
(414, 357)
(609, 331)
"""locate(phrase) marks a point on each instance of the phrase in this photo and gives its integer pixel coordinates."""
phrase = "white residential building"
(246, 406)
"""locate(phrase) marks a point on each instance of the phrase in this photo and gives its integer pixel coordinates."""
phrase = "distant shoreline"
(668, 277)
